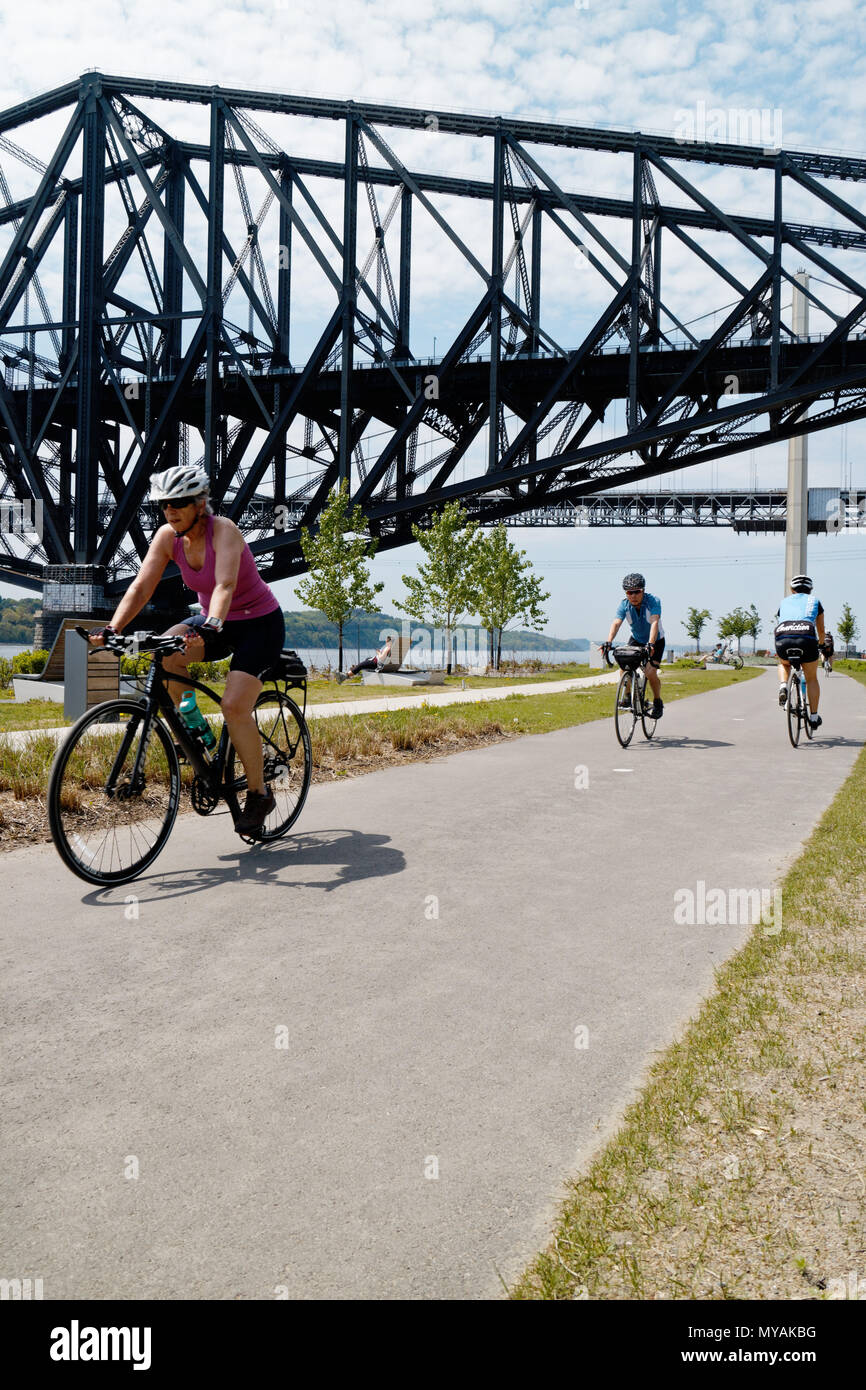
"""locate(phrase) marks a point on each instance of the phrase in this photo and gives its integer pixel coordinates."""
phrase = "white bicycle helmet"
(801, 584)
(186, 480)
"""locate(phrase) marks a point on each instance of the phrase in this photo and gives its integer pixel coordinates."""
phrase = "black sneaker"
(658, 709)
(783, 695)
(816, 721)
(255, 813)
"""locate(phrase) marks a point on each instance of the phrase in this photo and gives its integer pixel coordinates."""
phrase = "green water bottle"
(195, 720)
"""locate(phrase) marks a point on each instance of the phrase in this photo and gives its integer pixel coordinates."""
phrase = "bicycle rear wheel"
(807, 720)
(625, 717)
(288, 763)
(112, 800)
(737, 663)
(793, 709)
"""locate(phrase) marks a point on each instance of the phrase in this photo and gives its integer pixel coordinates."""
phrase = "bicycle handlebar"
(137, 642)
(608, 647)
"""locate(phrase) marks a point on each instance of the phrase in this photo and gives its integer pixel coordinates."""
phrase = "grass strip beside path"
(48, 714)
(738, 1173)
(352, 744)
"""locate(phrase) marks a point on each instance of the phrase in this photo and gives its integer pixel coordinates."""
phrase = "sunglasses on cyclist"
(175, 502)
(634, 591)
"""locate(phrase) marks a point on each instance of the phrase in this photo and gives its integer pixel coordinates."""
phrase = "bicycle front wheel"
(112, 794)
(288, 763)
(646, 718)
(737, 663)
(794, 709)
(625, 717)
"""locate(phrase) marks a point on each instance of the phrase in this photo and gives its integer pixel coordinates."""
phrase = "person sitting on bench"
(372, 663)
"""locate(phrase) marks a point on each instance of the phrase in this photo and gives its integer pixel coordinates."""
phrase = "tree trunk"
(448, 660)
(340, 648)
(498, 648)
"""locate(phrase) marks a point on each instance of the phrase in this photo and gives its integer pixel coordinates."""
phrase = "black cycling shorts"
(797, 635)
(253, 644)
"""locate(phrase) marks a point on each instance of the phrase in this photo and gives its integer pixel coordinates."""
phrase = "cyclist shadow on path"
(680, 741)
(822, 740)
(358, 855)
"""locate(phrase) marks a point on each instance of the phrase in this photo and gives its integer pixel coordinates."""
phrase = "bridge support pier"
(70, 591)
(798, 460)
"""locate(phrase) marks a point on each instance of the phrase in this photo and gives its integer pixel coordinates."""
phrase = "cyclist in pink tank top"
(242, 617)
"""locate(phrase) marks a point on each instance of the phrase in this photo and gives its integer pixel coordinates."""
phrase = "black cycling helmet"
(801, 584)
(634, 581)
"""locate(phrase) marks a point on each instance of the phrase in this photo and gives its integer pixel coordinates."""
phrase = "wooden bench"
(103, 673)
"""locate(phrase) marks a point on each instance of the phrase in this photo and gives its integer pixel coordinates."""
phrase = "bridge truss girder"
(173, 322)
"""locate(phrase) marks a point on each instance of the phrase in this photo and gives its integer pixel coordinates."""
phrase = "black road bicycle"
(115, 782)
(797, 702)
(631, 702)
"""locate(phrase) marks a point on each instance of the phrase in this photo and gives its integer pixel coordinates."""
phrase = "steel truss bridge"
(831, 511)
(247, 298)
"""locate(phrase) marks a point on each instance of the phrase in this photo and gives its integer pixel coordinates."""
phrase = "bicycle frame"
(797, 677)
(158, 702)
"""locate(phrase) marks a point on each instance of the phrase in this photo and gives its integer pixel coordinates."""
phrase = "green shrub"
(29, 663)
(5, 673)
(198, 670)
(209, 670)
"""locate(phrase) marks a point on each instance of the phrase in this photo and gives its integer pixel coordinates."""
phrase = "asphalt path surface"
(360, 1063)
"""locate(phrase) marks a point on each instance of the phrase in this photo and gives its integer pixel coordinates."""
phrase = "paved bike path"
(428, 943)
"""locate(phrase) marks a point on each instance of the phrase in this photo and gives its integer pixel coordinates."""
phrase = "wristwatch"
(213, 624)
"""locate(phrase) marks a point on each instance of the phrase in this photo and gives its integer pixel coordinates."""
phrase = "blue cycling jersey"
(800, 606)
(640, 619)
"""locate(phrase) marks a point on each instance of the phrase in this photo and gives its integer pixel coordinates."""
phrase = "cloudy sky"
(656, 67)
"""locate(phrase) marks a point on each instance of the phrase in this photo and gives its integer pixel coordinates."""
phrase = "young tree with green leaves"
(338, 583)
(755, 626)
(735, 624)
(445, 586)
(505, 587)
(695, 622)
(847, 626)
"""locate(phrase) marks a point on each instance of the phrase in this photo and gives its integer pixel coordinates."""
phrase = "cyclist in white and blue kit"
(801, 626)
(644, 614)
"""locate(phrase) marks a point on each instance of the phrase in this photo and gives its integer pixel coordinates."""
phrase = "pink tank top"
(251, 599)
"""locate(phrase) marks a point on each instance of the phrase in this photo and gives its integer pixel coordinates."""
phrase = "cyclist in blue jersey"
(643, 612)
(801, 626)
